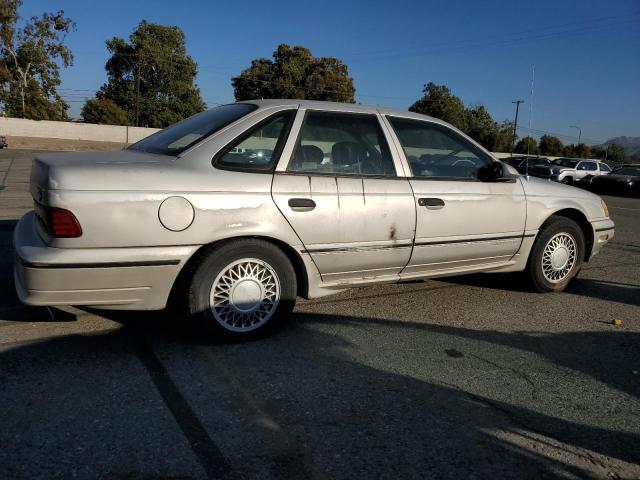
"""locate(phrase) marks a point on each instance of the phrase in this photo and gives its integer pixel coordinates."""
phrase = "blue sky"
(586, 53)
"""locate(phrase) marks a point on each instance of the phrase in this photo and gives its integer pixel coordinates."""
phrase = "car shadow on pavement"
(117, 404)
(516, 282)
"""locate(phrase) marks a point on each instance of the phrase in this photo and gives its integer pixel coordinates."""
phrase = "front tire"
(242, 290)
(557, 255)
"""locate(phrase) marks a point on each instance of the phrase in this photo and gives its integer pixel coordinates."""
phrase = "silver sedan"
(237, 211)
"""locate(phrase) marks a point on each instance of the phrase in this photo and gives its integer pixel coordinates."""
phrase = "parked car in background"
(3, 142)
(568, 170)
(624, 180)
(530, 165)
(235, 212)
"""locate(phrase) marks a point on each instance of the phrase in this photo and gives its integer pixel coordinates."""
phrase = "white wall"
(18, 127)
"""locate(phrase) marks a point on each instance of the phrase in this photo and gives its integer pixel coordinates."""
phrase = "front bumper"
(603, 233)
(137, 278)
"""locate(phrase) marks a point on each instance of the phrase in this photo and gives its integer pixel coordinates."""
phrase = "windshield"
(176, 138)
(565, 162)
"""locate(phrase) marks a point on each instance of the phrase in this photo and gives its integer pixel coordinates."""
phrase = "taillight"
(59, 223)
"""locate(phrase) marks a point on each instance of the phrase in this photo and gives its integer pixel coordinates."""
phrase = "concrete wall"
(18, 127)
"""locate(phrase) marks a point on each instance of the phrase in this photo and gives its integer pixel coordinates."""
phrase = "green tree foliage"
(30, 53)
(151, 77)
(295, 73)
(438, 101)
(527, 145)
(103, 111)
(581, 151)
(550, 146)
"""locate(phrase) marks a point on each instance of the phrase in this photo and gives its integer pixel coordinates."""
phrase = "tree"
(438, 101)
(151, 77)
(29, 56)
(527, 145)
(550, 146)
(581, 151)
(103, 111)
(295, 73)
(480, 126)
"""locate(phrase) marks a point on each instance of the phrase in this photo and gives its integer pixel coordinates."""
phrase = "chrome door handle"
(301, 204)
(431, 203)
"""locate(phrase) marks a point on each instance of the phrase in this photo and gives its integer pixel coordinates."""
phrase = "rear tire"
(557, 255)
(242, 290)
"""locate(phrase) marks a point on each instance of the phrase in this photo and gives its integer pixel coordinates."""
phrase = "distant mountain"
(631, 145)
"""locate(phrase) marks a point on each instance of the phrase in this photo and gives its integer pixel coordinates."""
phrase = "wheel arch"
(191, 264)
(581, 219)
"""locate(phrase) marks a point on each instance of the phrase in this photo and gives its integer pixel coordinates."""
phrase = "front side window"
(341, 144)
(604, 167)
(180, 136)
(436, 152)
(259, 148)
(590, 166)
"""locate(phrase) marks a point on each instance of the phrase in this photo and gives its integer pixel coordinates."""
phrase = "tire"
(567, 180)
(242, 290)
(557, 255)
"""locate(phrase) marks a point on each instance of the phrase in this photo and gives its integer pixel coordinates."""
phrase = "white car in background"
(568, 170)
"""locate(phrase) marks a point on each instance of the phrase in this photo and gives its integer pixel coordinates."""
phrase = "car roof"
(342, 107)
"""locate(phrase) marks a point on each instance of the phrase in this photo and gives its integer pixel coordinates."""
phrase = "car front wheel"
(242, 290)
(557, 255)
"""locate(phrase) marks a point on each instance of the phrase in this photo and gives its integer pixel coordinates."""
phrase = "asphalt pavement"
(467, 377)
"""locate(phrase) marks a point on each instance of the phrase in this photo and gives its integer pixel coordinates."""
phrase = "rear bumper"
(603, 233)
(137, 278)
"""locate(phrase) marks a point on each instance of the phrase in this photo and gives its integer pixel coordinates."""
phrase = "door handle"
(302, 204)
(431, 203)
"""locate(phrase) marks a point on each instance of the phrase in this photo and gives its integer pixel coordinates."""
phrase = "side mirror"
(491, 173)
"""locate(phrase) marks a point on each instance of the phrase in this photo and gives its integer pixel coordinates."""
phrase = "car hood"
(117, 170)
(619, 178)
(540, 187)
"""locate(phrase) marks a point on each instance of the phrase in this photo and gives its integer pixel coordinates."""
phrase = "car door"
(462, 223)
(340, 192)
(585, 168)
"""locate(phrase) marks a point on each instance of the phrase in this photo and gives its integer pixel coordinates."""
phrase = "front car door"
(585, 168)
(340, 191)
(463, 223)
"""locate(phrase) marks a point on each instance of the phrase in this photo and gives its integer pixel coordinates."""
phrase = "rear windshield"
(178, 137)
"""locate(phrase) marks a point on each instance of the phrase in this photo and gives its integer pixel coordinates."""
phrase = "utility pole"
(579, 132)
(137, 91)
(515, 124)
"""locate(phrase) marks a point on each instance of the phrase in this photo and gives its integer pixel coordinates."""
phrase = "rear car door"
(340, 192)
(462, 223)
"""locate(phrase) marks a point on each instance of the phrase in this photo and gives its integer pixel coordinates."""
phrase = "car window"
(604, 167)
(341, 144)
(590, 166)
(537, 161)
(259, 148)
(178, 137)
(436, 151)
(566, 162)
(627, 171)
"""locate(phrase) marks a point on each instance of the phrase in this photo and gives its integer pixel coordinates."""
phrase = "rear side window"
(604, 167)
(342, 144)
(434, 151)
(178, 137)
(260, 147)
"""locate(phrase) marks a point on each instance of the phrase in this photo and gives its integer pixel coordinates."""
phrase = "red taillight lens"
(58, 222)
(64, 224)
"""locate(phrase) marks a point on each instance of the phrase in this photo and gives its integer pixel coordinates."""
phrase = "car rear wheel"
(557, 255)
(242, 290)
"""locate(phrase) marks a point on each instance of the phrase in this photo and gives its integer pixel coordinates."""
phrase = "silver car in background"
(235, 212)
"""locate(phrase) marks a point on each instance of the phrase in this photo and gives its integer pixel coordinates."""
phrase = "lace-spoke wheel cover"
(245, 295)
(559, 257)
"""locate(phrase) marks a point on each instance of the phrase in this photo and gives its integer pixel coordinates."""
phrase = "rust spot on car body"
(392, 233)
